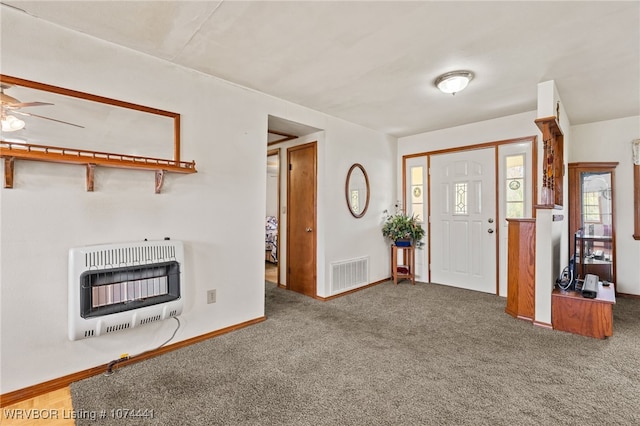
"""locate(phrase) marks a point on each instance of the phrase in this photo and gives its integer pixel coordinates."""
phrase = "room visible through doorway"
(272, 217)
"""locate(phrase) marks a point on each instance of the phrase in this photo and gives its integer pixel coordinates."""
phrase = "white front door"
(463, 219)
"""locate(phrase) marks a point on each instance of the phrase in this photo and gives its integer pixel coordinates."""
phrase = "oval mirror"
(357, 190)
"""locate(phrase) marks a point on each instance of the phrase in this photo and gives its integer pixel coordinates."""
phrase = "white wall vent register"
(113, 287)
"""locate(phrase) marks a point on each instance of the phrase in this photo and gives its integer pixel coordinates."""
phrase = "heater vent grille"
(140, 255)
(117, 327)
(115, 287)
(150, 319)
(349, 274)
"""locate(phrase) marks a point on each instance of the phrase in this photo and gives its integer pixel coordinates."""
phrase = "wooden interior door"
(301, 219)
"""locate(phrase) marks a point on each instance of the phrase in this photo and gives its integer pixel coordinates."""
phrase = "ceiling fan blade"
(26, 104)
(46, 118)
(9, 102)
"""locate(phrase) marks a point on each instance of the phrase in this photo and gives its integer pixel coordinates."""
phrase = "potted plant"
(403, 229)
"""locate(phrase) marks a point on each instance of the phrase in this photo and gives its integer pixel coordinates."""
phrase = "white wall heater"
(114, 287)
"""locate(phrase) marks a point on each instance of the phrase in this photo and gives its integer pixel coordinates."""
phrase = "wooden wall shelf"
(11, 151)
(552, 162)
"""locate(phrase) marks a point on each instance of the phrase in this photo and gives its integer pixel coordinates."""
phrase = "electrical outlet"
(211, 296)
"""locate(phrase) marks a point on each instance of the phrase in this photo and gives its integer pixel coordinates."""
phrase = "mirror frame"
(635, 151)
(101, 99)
(636, 202)
(347, 194)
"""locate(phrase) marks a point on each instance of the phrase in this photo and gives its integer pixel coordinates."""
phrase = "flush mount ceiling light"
(454, 81)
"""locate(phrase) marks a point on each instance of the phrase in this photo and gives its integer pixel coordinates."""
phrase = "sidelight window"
(515, 186)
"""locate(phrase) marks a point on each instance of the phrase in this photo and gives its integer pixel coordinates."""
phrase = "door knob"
(490, 231)
(308, 229)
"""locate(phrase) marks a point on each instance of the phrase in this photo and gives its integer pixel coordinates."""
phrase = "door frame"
(496, 144)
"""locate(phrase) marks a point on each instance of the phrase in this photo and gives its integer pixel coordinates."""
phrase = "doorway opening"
(282, 135)
(272, 218)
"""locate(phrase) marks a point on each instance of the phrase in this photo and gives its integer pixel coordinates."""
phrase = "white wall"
(552, 249)
(218, 212)
(503, 128)
(611, 141)
(340, 235)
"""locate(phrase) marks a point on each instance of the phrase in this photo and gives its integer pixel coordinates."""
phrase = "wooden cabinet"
(588, 317)
(592, 219)
(521, 276)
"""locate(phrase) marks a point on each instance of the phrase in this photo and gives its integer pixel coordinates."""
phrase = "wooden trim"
(474, 146)
(176, 138)
(286, 137)
(543, 324)
(547, 207)
(404, 184)
(636, 202)
(521, 220)
(429, 217)
(559, 172)
(596, 164)
(10, 398)
(276, 152)
(496, 220)
(534, 175)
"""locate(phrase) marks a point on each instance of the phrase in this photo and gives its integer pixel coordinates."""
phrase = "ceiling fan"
(11, 105)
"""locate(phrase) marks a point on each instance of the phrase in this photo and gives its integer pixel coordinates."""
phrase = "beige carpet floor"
(387, 355)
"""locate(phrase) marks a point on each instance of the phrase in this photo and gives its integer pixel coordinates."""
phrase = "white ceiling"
(374, 62)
